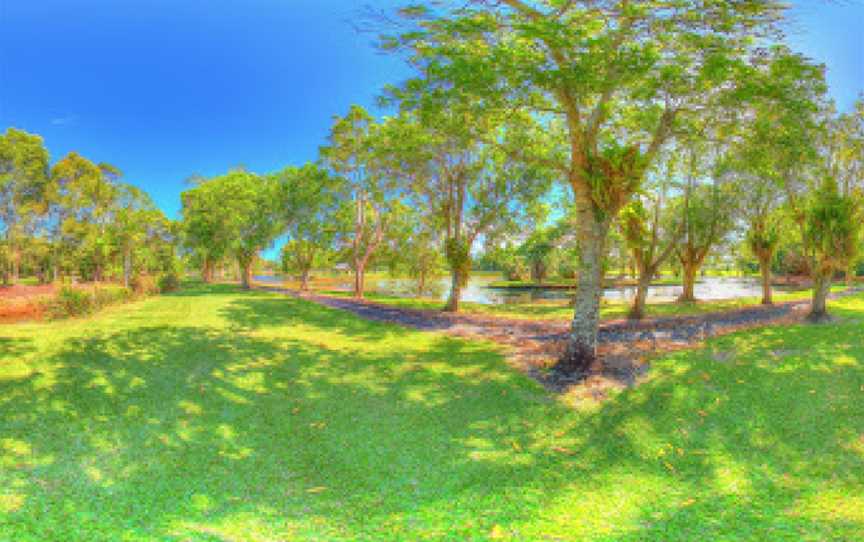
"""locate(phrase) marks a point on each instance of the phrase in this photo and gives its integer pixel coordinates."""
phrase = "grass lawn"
(215, 415)
(559, 310)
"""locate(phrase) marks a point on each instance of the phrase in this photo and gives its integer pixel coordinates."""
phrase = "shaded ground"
(535, 345)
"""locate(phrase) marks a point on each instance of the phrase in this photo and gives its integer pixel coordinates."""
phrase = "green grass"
(215, 415)
(559, 310)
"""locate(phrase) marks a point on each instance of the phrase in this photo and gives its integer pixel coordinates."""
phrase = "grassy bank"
(212, 414)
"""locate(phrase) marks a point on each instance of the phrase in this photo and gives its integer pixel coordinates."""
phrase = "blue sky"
(167, 88)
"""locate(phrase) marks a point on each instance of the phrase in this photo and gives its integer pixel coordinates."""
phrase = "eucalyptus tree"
(79, 196)
(846, 158)
(356, 150)
(310, 198)
(23, 181)
(468, 186)
(135, 216)
(617, 74)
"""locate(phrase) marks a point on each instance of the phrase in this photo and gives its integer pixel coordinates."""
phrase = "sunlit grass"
(217, 415)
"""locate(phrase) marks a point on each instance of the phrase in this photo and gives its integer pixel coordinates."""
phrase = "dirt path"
(535, 345)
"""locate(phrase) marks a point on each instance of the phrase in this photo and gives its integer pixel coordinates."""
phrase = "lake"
(479, 291)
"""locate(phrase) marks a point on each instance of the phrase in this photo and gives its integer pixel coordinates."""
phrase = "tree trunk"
(358, 279)
(690, 271)
(304, 280)
(821, 288)
(207, 270)
(127, 266)
(455, 292)
(765, 268)
(421, 286)
(850, 275)
(637, 311)
(581, 349)
(16, 263)
(245, 272)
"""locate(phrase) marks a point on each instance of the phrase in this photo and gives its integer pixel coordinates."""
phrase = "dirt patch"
(21, 291)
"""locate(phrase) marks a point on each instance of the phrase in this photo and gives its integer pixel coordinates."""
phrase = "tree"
(776, 137)
(846, 158)
(310, 203)
(204, 217)
(458, 175)
(650, 235)
(704, 217)
(353, 142)
(833, 231)
(134, 216)
(236, 212)
(618, 75)
(80, 195)
(23, 181)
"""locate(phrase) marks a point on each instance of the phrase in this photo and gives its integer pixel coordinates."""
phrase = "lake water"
(479, 291)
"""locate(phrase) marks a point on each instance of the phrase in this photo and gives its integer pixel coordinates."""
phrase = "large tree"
(466, 185)
(23, 181)
(354, 151)
(618, 74)
(236, 212)
(776, 139)
(310, 197)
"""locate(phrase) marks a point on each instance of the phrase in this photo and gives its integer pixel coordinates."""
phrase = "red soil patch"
(19, 291)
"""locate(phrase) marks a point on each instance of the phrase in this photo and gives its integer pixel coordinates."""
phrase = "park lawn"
(216, 415)
(556, 310)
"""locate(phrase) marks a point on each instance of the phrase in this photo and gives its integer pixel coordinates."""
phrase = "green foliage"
(70, 301)
(833, 227)
(237, 213)
(168, 282)
(458, 254)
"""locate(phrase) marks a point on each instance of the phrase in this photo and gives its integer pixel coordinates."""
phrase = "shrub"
(567, 269)
(169, 282)
(516, 270)
(69, 301)
(102, 297)
(145, 285)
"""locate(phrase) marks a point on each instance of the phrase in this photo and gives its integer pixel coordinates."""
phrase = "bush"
(567, 269)
(69, 301)
(145, 285)
(102, 297)
(168, 282)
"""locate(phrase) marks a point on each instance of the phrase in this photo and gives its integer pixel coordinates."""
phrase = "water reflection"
(478, 290)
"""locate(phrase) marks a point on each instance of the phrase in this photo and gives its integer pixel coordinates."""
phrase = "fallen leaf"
(317, 489)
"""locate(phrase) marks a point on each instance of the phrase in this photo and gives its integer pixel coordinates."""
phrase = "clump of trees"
(76, 218)
(667, 137)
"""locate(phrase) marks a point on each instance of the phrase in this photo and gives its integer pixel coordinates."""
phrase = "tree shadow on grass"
(349, 430)
(762, 432)
(165, 431)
